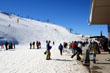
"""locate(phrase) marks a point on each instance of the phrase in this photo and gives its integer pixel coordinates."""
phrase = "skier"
(94, 55)
(2, 46)
(94, 50)
(37, 43)
(53, 43)
(6, 45)
(70, 45)
(73, 49)
(80, 46)
(30, 45)
(14, 45)
(60, 48)
(48, 51)
(79, 51)
(11, 45)
(33, 45)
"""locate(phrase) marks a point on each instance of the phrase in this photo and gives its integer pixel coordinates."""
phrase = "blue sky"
(68, 13)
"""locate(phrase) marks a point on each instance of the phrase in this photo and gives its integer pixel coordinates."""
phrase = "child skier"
(94, 55)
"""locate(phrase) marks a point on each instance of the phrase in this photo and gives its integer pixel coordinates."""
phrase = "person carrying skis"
(60, 48)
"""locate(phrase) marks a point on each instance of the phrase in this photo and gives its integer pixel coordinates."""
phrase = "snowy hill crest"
(22, 30)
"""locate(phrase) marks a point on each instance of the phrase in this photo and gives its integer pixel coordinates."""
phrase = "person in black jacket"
(6, 45)
(30, 45)
(79, 51)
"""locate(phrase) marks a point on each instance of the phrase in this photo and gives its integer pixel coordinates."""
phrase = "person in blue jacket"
(60, 48)
(48, 51)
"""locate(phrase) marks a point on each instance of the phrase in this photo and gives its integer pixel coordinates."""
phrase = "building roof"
(100, 12)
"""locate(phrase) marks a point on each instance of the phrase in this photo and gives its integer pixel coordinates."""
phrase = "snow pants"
(60, 52)
(48, 55)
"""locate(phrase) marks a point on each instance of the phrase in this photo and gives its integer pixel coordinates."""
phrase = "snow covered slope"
(26, 30)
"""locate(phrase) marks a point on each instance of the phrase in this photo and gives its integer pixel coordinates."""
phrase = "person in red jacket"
(73, 49)
(2, 46)
(37, 43)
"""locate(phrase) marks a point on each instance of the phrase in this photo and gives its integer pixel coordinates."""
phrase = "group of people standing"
(74, 46)
(8, 45)
(37, 44)
(76, 49)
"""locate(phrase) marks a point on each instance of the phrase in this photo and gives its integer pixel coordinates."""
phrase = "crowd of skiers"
(75, 46)
(7, 45)
(34, 45)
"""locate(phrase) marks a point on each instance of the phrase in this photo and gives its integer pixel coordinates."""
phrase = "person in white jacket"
(80, 46)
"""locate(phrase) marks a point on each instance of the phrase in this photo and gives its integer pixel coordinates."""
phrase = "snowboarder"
(60, 48)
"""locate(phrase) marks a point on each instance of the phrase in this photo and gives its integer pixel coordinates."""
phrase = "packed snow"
(25, 60)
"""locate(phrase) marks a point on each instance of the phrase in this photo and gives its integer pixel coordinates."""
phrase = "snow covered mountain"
(22, 30)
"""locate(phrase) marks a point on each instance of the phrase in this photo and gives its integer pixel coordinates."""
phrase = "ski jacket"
(80, 46)
(73, 45)
(48, 46)
(60, 47)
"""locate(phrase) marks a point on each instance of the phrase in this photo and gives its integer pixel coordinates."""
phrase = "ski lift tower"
(100, 13)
